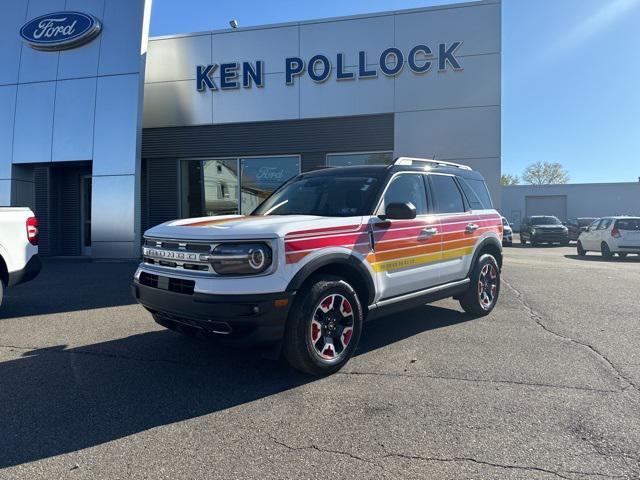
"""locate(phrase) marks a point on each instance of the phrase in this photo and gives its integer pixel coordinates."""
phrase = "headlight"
(241, 258)
(533, 231)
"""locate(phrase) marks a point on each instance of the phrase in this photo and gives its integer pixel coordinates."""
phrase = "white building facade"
(229, 115)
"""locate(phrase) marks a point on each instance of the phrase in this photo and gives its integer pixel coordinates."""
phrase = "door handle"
(428, 232)
(471, 227)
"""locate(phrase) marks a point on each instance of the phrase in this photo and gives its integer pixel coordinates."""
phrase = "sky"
(570, 72)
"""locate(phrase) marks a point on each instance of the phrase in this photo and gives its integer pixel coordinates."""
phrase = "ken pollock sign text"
(320, 68)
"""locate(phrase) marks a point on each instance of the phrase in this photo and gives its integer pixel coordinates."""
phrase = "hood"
(240, 227)
(548, 227)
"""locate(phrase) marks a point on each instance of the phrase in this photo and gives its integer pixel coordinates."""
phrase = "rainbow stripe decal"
(399, 244)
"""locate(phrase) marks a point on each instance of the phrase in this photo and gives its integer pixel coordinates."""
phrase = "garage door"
(547, 205)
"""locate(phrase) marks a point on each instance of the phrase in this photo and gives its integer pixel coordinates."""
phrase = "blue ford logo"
(61, 30)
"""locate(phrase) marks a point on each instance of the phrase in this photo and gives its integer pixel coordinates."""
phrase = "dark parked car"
(577, 226)
(543, 229)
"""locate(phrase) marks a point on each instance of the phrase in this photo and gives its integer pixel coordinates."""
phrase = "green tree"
(545, 173)
(507, 179)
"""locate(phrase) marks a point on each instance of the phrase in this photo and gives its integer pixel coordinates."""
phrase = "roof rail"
(441, 163)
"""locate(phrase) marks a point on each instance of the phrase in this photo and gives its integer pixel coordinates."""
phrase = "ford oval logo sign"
(60, 31)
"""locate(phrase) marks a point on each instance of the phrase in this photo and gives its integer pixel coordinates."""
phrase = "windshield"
(545, 221)
(585, 222)
(324, 195)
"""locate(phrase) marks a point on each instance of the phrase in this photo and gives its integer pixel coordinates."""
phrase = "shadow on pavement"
(70, 285)
(600, 258)
(58, 400)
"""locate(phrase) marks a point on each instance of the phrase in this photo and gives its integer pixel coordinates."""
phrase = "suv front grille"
(176, 255)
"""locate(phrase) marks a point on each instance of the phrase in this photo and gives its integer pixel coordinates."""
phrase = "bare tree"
(508, 179)
(545, 173)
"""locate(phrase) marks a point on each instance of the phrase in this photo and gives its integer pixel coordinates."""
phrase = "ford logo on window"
(60, 31)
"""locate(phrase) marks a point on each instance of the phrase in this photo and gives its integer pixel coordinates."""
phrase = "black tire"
(307, 319)
(472, 302)
(534, 243)
(565, 243)
(622, 254)
(1, 291)
(605, 250)
(581, 251)
(522, 240)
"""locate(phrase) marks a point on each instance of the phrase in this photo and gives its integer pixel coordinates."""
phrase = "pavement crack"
(323, 450)
(478, 380)
(536, 317)
(557, 473)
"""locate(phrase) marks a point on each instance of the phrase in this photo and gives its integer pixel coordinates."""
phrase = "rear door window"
(604, 224)
(447, 195)
(632, 224)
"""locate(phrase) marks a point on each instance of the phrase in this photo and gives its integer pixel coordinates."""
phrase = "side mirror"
(400, 211)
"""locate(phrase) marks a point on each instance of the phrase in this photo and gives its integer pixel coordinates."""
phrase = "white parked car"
(507, 233)
(19, 261)
(611, 235)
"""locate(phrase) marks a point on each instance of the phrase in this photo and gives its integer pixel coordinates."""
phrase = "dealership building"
(105, 132)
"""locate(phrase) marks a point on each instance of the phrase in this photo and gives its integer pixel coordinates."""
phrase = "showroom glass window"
(366, 158)
(232, 185)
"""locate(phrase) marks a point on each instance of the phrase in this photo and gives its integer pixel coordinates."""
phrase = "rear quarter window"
(476, 190)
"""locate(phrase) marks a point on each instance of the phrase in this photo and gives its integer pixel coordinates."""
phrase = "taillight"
(615, 233)
(32, 230)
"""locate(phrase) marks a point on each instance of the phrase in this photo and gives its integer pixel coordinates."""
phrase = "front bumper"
(239, 319)
(29, 272)
(550, 237)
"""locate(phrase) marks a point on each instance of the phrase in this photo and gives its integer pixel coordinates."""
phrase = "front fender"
(336, 257)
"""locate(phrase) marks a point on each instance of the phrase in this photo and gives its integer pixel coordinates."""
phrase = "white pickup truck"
(19, 261)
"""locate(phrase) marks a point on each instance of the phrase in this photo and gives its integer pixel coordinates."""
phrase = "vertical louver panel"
(320, 135)
(162, 190)
(41, 177)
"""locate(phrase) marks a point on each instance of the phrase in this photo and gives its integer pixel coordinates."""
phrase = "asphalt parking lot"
(546, 387)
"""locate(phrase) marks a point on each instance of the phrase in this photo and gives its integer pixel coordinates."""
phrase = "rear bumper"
(239, 319)
(29, 272)
(628, 249)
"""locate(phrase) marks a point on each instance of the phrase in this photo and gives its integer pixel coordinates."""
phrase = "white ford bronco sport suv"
(326, 251)
(19, 261)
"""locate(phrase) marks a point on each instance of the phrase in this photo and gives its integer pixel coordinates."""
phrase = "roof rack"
(441, 163)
